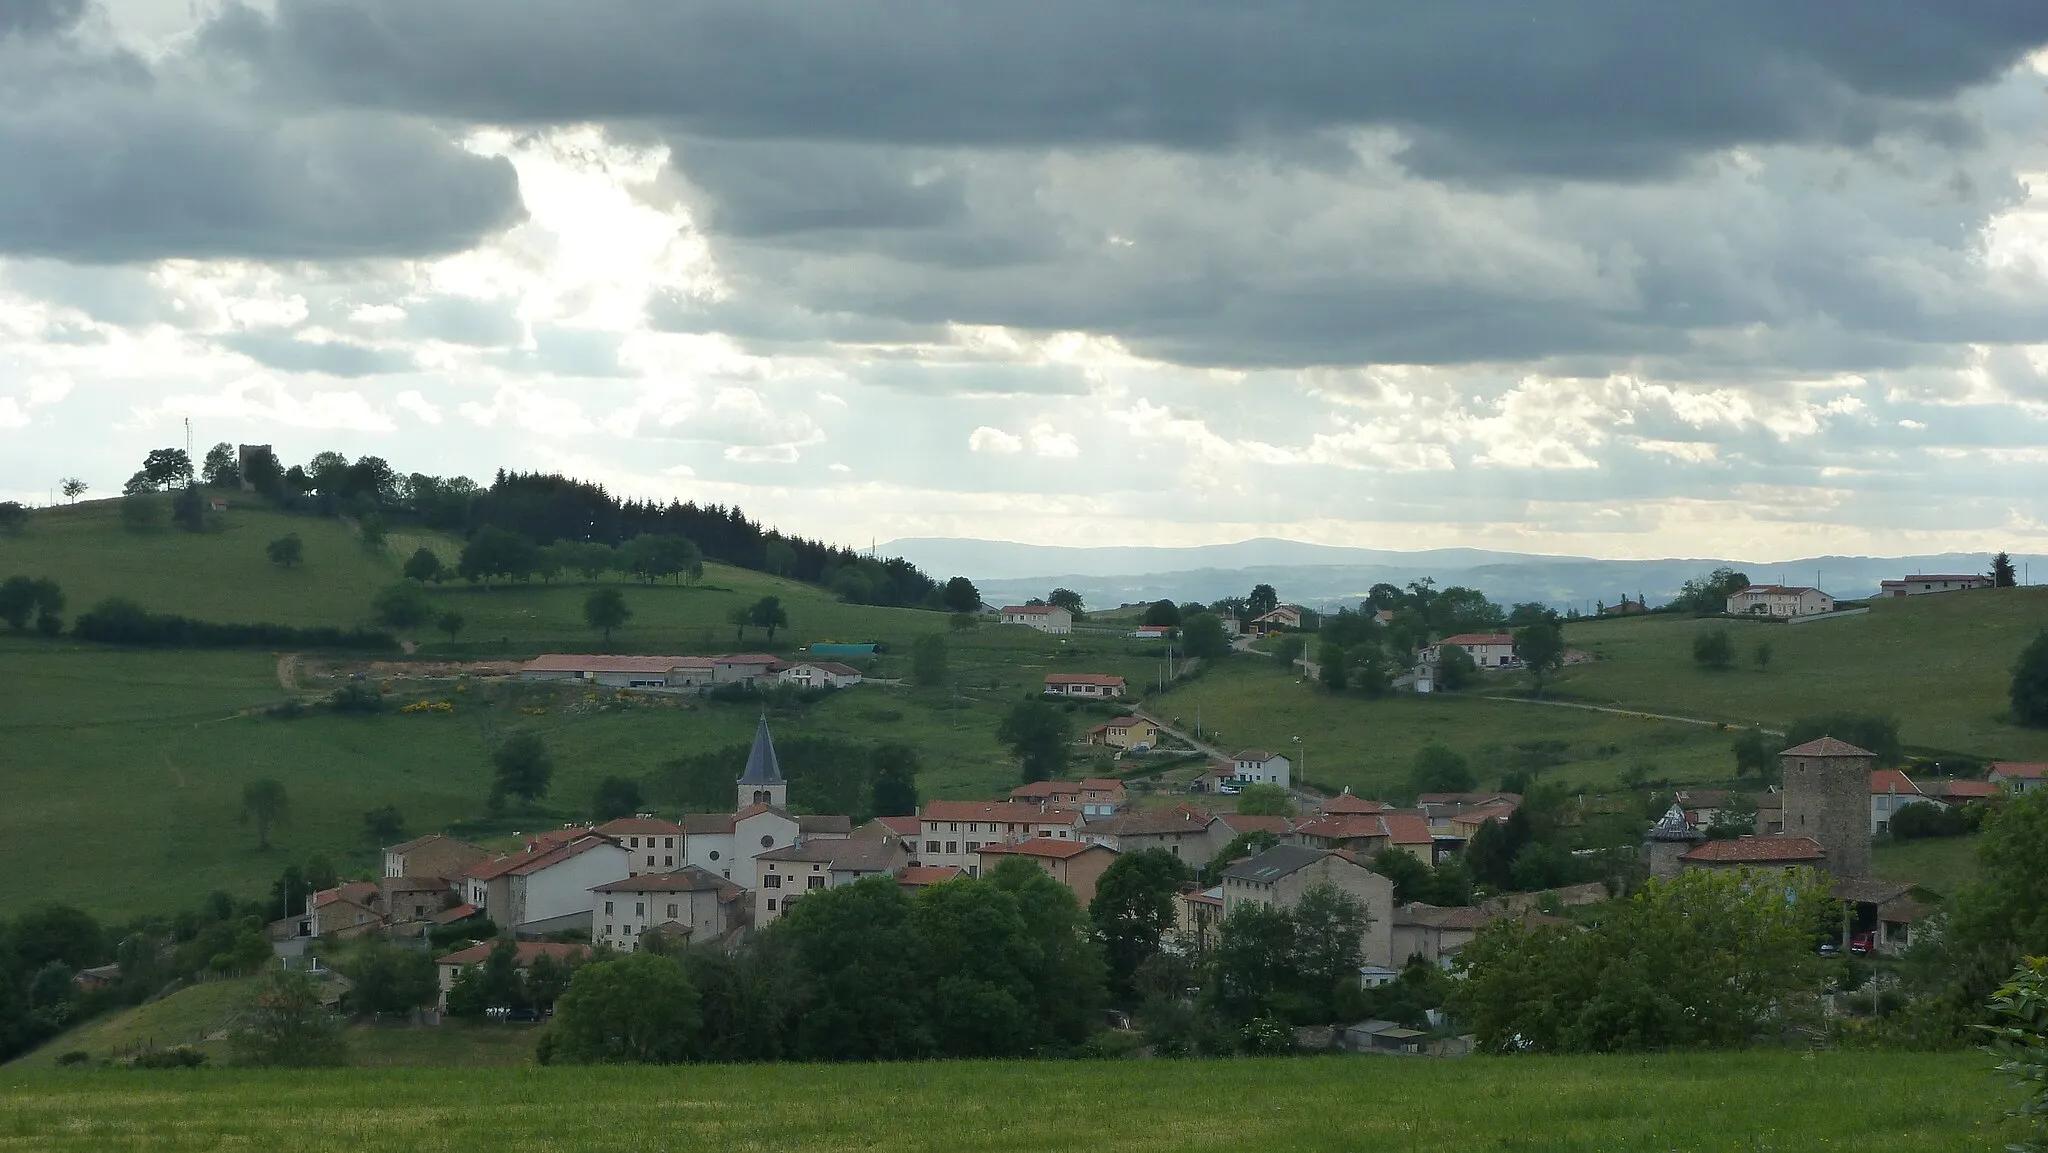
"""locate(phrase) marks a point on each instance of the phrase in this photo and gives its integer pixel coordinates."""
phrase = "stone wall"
(1828, 799)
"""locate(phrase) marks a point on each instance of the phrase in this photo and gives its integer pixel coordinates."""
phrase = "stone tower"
(762, 783)
(1668, 840)
(1827, 798)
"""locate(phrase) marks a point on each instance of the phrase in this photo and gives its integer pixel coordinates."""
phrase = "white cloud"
(1689, 451)
(11, 414)
(995, 440)
(412, 402)
(1048, 441)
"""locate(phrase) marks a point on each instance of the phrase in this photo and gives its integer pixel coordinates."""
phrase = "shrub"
(74, 1057)
(356, 697)
(123, 622)
(1713, 649)
(176, 1057)
(1918, 821)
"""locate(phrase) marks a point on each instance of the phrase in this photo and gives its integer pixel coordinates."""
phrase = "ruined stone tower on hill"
(1827, 797)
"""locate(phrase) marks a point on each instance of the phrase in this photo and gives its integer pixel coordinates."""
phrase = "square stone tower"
(1827, 797)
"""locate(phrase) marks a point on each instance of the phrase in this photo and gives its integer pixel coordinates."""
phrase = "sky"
(1741, 278)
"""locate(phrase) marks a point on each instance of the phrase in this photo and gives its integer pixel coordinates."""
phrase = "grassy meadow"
(1941, 664)
(1737, 1101)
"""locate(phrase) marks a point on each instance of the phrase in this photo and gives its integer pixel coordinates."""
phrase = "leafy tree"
(2029, 692)
(1877, 732)
(521, 768)
(1439, 769)
(961, 596)
(1494, 848)
(402, 606)
(615, 797)
(2002, 574)
(1762, 656)
(864, 998)
(1253, 972)
(2007, 903)
(387, 979)
(1754, 756)
(1262, 600)
(1708, 959)
(1713, 649)
(1541, 647)
(424, 565)
(1202, 636)
(285, 1025)
(1163, 613)
(2020, 1040)
(13, 517)
(1040, 735)
(1412, 879)
(222, 469)
(50, 933)
(739, 618)
(1249, 843)
(1529, 613)
(1330, 666)
(1329, 925)
(1061, 962)
(188, 510)
(1915, 822)
(1706, 596)
(264, 803)
(928, 660)
(777, 557)
(1266, 799)
(548, 979)
(1134, 907)
(165, 467)
(17, 602)
(1455, 668)
(652, 556)
(286, 551)
(73, 488)
(384, 823)
(1067, 599)
(606, 609)
(449, 622)
(769, 614)
(141, 511)
(638, 1009)
(496, 553)
(894, 791)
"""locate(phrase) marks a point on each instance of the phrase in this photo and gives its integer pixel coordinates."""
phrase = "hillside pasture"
(1782, 1101)
(1941, 664)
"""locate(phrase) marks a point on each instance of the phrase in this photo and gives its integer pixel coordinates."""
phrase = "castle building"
(762, 783)
(1668, 840)
(1827, 798)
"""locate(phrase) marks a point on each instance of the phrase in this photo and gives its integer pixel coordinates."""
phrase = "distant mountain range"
(1325, 576)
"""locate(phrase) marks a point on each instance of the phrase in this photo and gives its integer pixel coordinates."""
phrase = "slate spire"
(762, 767)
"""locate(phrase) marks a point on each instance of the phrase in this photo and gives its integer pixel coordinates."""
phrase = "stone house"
(1280, 875)
(689, 903)
(788, 873)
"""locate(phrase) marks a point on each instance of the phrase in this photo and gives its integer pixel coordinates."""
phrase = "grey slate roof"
(1674, 827)
(1275, 863)
(762, 767)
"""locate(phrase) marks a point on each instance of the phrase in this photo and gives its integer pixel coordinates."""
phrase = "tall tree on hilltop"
(2002, 574)
(264, 804)
(606, 609)
(1041, 737)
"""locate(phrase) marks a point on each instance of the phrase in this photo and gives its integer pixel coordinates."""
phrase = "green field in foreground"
(1941, 664)
(1739, 1101)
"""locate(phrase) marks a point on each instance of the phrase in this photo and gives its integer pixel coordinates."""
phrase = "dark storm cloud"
(107, 159)
(334, 358)
(1612, 87)
(775, 189)
(39, 17)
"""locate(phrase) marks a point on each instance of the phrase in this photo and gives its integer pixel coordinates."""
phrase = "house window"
(973, 846)
(667, 861)
(650, 860)
(607, 908)
(931, 846)
(714, 854)
(771, 904)
(668, 842)
(817, 883)
(952, 826)
(639, 908)
(952, 846)
(772, 881)
(635, 844)
(671, 912)
(768, 840)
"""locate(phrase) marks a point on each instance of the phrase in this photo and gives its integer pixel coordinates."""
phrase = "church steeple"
(762, 783)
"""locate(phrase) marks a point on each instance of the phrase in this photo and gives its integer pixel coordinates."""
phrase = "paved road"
(1201, 747)
(1633, 713)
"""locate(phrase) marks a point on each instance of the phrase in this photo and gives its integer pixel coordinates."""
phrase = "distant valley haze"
(1318, 575)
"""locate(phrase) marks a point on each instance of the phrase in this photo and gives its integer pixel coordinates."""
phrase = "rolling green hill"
(1880, 1103)
(1941, 664)
(194, 1016)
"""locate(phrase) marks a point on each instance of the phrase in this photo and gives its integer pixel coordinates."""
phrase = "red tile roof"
(525, 953)
(541, 842)
(1001, 812)
(1047, 789)
(1248, 822)
(1480, 814)
(1827, 747)
(2023, 770)
(1028, 610)
(746, 659)
(353, 892)
(1046, 847)
(1479, 639)
(1407, 828)
(639, 827)
(688, 879)
(1128, 723)
(1344, 827)
(1346, 803)
(918, 876)
(1962, 790)
(460, 912)
(1103, 784)
(1083, 679)
(1260, 755)
(1884, 782)
(592, 663)
(1758, 850)
(901, 826)
(1179, 819)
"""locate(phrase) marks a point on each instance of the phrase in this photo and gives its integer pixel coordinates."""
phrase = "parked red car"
(1860, 944)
